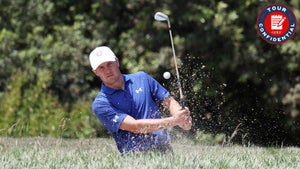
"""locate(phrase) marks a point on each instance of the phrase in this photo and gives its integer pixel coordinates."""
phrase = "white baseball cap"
(100, 55)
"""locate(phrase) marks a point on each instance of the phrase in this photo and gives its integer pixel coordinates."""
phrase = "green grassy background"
(41, 152)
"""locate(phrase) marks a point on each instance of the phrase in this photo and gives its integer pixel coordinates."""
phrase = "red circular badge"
(276, 23)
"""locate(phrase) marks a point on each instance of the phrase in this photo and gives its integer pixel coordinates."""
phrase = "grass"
(102, 153)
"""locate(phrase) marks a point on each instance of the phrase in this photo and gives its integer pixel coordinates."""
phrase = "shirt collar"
(108, 90)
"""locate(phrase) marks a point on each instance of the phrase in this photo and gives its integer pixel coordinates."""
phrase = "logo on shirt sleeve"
(115, 119)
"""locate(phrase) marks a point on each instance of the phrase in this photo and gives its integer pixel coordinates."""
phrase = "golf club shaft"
(176, 67)
(159, 16)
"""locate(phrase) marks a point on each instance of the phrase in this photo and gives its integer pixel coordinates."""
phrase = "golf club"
(159, 16)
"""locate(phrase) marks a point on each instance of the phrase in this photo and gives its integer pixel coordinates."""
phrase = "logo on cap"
(99, 53)
(276, 23)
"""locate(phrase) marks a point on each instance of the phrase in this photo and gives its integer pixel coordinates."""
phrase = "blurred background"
(235, 84)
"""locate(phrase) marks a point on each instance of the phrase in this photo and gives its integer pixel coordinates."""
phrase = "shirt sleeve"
(110, 117)
(159, 93)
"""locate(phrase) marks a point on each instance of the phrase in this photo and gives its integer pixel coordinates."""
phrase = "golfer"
(127, 106)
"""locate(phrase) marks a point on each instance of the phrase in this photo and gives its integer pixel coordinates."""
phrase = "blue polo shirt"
(138, 99)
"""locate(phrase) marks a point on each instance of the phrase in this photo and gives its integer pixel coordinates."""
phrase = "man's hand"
(188, 124)
(183, 118)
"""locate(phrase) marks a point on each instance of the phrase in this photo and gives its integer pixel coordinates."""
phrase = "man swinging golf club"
(127, 106)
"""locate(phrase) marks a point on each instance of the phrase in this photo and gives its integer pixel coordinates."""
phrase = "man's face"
(109, 73)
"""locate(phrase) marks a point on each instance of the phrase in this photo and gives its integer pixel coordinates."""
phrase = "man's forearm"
(150, 125)
(172, 105)
(147, 125)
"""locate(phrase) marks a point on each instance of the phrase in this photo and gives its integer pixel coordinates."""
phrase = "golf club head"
(159, 16)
